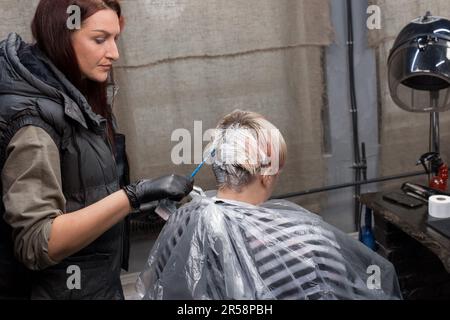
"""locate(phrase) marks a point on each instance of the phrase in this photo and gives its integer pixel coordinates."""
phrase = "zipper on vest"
(123, 236)
(80, 176)
(108, 143)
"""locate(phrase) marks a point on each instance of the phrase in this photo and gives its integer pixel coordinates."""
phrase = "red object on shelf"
(441, 180)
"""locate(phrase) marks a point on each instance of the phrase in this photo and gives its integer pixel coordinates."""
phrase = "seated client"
(239, 245)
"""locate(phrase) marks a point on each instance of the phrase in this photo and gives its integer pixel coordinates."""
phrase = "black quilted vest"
(34, 92)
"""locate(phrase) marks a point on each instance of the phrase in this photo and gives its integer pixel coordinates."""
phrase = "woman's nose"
(113, 51)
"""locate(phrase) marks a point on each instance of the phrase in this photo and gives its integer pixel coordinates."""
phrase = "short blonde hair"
(246, 144)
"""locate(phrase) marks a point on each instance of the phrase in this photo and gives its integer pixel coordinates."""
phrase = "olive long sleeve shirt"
(32, 194)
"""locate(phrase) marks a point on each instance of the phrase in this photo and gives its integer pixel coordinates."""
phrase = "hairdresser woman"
(63, 206)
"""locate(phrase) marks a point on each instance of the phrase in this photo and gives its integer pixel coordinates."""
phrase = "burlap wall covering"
(194, 60)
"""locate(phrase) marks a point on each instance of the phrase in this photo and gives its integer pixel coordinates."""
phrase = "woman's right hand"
(173, 187)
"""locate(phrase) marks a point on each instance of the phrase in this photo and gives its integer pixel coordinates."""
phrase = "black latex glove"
(173, 187)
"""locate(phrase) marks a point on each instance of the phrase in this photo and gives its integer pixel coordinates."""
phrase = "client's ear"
(267, 181)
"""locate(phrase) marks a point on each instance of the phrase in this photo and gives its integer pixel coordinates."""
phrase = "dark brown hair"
(53, 37)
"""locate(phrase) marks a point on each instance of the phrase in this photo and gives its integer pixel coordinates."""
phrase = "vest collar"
(75, 104)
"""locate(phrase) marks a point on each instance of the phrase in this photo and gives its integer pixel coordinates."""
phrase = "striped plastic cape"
(220, 249)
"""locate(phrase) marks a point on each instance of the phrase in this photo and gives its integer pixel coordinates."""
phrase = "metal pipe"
(354, 113)
(347, 185)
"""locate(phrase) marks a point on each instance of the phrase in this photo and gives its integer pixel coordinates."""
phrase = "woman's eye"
(99, 40)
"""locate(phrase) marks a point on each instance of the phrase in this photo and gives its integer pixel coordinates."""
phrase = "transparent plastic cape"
(220, 249)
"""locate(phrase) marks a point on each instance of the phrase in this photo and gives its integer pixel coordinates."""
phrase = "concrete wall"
(339, 209)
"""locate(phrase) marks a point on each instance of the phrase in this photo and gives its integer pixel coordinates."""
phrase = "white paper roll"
(439, 207)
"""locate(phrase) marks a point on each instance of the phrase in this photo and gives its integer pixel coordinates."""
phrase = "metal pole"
(348, 185)
(435, 132)
(434, 123)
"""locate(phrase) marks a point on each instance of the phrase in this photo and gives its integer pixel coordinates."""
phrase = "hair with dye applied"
(246, 145)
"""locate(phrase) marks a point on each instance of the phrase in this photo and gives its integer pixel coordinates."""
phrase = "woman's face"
(95, 44)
